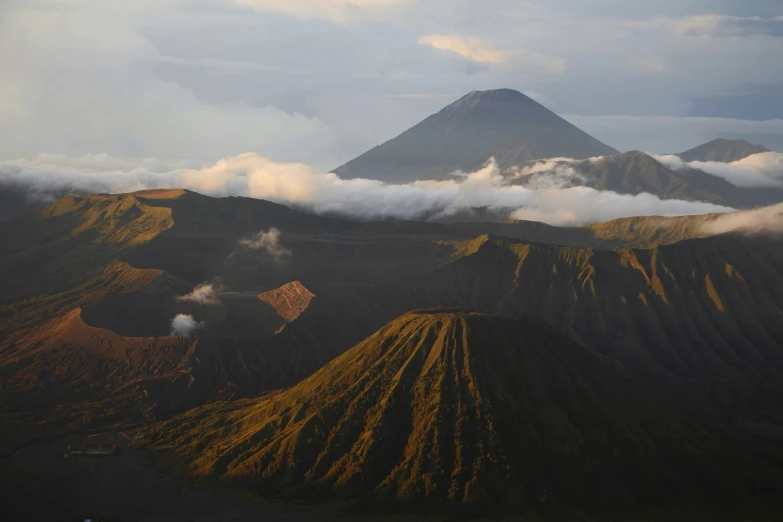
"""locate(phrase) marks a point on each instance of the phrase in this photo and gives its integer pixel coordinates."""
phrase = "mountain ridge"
(502, 123)
(462, 410)
(722, 150)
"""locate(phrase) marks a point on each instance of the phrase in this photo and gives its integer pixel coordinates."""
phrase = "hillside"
(701, 320)
(504, 124)
(722, 150)
(288, 301)
(468, 411)
(126, 263)
(636, 172)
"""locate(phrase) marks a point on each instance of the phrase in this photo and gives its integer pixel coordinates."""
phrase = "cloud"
(422, 96)
(767, 220)
(551, 198)
(552, 173)
(723, 26)
(708, 25)
(342, 11)
(473, 49)
(757, 170)
(48, 176)
(480, 51)
(183, 325)
(204, 294)
(582, 205)
(268, 241)
(83, 78)
(665, 134)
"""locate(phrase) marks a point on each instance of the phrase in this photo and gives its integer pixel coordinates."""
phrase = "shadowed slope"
(723, 150)
(504, 124)
(700, 318)
(636, 172)
(653, 310)
(453, 408)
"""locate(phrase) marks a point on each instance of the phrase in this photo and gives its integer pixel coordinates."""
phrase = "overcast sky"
(320, 81)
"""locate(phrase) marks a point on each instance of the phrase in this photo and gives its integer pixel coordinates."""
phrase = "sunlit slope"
(701, 316)
(451, 408)
(652, 231)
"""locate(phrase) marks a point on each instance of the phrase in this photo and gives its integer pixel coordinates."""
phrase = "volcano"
(722, 150)
(463, 409)
(504, 124)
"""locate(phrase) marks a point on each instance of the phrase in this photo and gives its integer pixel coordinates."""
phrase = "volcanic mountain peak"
(507, 96)
(722, 150)
(453, 408)
(503, 123)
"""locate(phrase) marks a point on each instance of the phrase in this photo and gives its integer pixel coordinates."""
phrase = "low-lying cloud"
(757, 170)
(551, 198)
(298, 184)
(206, 294)
(183, 325)
(767, 220)
(269, 241)
(580, 205)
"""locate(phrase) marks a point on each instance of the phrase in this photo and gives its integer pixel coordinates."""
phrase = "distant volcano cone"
(504, 124)
(722, 150)
(453, 408)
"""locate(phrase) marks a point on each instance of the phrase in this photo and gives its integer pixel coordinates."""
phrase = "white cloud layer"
(80, 78)
(757, 170)
(767, 220)
(551, 200)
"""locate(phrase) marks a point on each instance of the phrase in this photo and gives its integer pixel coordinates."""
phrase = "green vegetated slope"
(444, 409)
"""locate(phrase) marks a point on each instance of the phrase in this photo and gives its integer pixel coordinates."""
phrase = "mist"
(183, 325)
(757, 170)
(550, 196)
(268, 241)
(553, 202)
(204, 294)
(762, 221)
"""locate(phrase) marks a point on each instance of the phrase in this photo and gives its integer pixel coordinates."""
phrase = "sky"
(321, 81)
